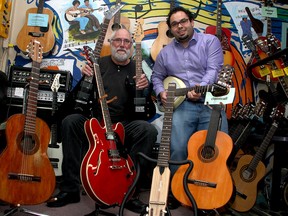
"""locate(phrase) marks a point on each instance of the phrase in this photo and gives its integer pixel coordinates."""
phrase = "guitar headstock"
(224, 81)
(56, 83)
(139, 32)
(112, 11)
(260, 108)
(277, 113)
(35, 51)
(248, 42)
(90, 55)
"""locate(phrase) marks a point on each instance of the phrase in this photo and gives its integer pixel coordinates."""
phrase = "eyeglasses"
(118, 41)
(182, 22)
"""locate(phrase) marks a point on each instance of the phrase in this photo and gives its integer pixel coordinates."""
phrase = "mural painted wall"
(66, 54)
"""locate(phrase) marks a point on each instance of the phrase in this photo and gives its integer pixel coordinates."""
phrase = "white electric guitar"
(54, 150)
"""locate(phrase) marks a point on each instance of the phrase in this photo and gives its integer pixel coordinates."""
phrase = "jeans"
(188, 118)
(83, 21)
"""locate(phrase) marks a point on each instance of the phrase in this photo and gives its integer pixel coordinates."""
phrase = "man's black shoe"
(172, 202)
(64, 198)
(136, 205)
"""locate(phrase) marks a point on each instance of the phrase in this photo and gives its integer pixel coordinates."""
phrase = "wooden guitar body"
(105, 177)
(209, 182)
(246, 187)
(162, 39)
(26, 174)
(44, 35)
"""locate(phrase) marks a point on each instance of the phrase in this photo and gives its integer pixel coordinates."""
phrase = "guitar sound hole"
(169, 34)
(116, 26)
(207, 152)
(28, 144)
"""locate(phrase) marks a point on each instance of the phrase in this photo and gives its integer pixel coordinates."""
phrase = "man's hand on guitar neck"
(142, 82)
(87, 70)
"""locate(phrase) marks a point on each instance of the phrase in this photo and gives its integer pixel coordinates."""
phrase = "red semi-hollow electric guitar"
(106, 172)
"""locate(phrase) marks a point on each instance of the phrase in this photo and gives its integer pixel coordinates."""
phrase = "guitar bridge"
(24, 177)
(36, 34)
(202, 183)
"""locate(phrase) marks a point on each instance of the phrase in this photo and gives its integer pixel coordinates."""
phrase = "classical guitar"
(27, 176)
(217, 89)
(85, 86)
(117, 22)
(245, 126)
(74, 14)
(54, 148)
(210, 181)
(107, 171)
(223, 34)
(250, 169)
(33, 29)
(262, 72)
(161, 173)
(144, 107)
(163, 38)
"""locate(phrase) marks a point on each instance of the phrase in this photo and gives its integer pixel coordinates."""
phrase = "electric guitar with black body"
(84, 88)
(143, 105)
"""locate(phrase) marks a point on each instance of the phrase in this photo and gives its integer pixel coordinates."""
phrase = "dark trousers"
(140, 136)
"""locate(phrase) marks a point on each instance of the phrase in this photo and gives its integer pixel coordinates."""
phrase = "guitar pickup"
(138, 101)
(202, 183)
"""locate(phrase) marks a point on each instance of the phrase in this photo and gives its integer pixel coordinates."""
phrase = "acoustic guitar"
(33, 31)
(117, 22)
(223, 34)
(54, 151)
(250, 169)
(217, 89)
(107, 171)
(26, 174)
(74, 14)
(163, 38)
(85, 86)
(161, 173)
(144, 107)
(210, 181)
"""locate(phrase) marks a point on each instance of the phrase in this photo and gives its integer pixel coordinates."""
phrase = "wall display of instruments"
(19, 78)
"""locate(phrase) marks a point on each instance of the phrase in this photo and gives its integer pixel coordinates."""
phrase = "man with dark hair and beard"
(196, 59)
(117, 71)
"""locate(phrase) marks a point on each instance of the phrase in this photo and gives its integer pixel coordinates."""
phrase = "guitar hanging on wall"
(30, 178)
(5, 10)
(117, 22)
(38, 25)
(106, 163)
(164, 36)
(223, 34)
(250, 169)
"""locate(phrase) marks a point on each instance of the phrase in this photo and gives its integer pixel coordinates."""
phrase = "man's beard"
(120, 57)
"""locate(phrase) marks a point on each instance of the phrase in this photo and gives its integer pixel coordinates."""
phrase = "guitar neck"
(219, 20)
(164, 148)
(30, 123)
(40, 7)
(103, 101)
(198, 89)
(261, 151)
